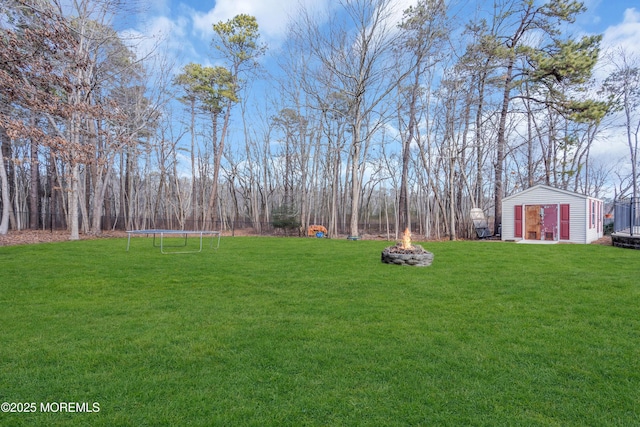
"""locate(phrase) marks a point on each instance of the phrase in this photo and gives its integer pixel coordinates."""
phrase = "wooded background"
(376, 120)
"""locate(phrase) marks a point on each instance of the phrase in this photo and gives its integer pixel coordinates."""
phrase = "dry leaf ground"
(27, 237)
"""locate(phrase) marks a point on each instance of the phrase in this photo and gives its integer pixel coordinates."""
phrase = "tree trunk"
(73, 203)
(355, 185)
(4, 189)
(84, 194)
(194, 188)
(34, 193)
(500, 149)
(100, 189)
(217, 158)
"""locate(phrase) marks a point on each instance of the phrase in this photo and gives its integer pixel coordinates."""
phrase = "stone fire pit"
(404, 253)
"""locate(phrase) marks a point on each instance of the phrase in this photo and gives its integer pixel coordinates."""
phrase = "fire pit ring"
(405, 253)
(418, 257)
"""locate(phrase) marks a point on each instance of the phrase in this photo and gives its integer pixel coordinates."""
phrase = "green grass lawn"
(290, 332)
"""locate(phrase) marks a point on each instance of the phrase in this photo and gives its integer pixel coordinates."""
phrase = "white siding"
(595, 232)
(579, 221)
(579, 231)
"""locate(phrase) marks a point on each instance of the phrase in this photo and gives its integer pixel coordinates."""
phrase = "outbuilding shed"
(551, 214)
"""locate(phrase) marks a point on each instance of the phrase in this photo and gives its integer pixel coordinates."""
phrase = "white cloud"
(616, 39)
(624, 35)
(272, 16)
(159, 33)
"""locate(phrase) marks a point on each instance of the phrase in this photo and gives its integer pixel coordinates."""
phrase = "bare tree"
(237, 42)
(623, 87)
(424, 30)
(353, 55)
(4, 186)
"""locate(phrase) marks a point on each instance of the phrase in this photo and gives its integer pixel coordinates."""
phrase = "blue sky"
(186, 26)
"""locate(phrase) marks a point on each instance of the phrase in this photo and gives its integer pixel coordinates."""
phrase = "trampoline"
(173, 233)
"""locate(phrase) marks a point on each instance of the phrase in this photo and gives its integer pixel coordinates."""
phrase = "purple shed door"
(564, 221)
(549, 222)
(517, 229)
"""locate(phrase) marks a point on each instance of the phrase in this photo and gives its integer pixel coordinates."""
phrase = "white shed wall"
(579, 231)
(594, 233)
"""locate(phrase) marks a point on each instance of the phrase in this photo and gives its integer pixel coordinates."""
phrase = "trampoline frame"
(185, 233)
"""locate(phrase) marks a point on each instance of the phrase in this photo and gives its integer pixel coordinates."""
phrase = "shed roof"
(547, 188)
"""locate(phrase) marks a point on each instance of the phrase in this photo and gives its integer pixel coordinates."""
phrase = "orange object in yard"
(313, 229)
